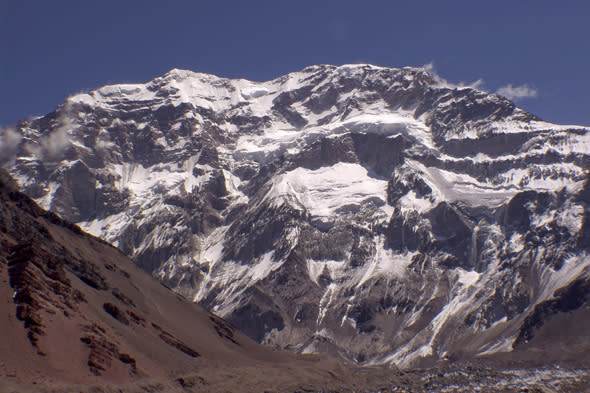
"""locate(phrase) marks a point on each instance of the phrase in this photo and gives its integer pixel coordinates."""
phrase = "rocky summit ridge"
(382, 215)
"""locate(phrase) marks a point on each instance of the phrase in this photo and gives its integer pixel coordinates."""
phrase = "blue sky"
(52, 49)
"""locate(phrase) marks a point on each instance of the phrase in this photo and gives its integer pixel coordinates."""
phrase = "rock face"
(76, 311)
(372, 213)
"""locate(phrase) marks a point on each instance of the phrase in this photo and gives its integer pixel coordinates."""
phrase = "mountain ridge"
(356, 210)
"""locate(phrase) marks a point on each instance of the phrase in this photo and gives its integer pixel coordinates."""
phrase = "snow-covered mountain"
(379, 214)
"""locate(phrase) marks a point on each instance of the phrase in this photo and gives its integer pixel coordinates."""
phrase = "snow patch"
(516, 243)
(467, 278)
(253, 91)
(386, 263)
(451, 186)
(571, 218)
(411, 201)
(504, 345)
(316, 268)
(325, 190)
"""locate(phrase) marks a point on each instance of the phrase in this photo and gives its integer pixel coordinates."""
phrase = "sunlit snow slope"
(373, 213)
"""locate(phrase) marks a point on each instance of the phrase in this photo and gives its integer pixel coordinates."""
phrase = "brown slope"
(75, 311)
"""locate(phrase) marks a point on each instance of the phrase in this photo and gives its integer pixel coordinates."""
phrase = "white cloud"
(57, 142)
(9, 141)
(517, 92)
(54, 145)
(431, 69)
(51, 146)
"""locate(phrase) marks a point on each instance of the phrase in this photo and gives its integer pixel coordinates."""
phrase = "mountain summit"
(378, 214)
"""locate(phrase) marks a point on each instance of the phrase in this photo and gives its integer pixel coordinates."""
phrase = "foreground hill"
(381, 215)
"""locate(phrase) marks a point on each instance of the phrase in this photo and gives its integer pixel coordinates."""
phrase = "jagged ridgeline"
(378, 214)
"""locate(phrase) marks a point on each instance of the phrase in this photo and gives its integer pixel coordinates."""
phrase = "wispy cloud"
(478, 84)
(49, 147)
(53, 146)
(518, 92)
(58, 141)
(9, 141)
